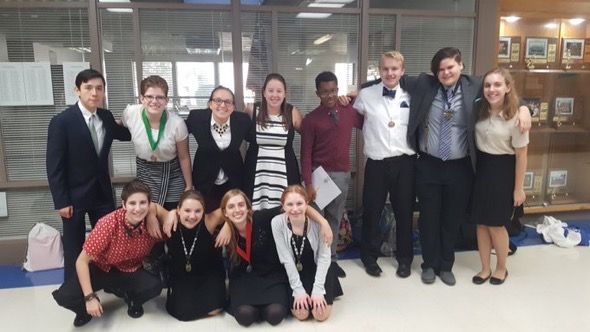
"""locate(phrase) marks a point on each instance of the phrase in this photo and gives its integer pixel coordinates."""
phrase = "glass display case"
(550, 62)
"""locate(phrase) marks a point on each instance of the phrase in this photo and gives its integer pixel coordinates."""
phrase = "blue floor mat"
(15, 277)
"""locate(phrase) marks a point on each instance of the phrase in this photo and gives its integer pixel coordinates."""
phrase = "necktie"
(334, 116)
(388, 93)
(220, 129)
(444, 141)
(93, 133)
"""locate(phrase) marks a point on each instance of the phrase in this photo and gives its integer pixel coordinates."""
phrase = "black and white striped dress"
(271, 162)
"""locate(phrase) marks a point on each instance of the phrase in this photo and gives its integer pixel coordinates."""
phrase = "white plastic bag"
(44, 250)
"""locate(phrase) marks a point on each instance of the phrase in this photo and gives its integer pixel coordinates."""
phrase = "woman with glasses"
(271, 164)
(219, 132)
(160, 139)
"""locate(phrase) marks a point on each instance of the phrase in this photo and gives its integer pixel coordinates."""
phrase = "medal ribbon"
(246, 255)
(148, 129)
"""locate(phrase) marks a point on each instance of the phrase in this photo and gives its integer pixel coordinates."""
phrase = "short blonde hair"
(394, 55)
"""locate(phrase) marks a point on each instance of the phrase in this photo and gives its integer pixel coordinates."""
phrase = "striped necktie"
(446, 125)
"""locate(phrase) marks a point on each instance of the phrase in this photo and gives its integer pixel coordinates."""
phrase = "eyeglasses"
(159, 99)
(325, 94)
(227, 102)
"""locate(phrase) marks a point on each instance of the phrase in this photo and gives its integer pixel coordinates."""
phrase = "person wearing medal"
(111, 258)
(197, 275)
(306, 259)
(219, 132)
(160, 139)
(390, 165)
(258, 284)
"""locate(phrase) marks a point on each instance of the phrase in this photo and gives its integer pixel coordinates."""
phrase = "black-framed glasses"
(219, 101)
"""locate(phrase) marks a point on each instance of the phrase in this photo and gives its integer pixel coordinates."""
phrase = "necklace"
(188, 267)
(299, 252)
(247, 254)
(148, 130)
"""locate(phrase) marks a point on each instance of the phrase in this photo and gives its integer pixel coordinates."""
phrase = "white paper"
(38, 85)
(12, 84)
(70, 71)
(326, 189)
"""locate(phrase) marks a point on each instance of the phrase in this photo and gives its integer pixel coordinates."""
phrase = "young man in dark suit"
(78, 144)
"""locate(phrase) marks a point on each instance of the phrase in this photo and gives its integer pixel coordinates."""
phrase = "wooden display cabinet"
(551, 68)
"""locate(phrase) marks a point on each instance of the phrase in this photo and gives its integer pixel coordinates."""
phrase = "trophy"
(529, 63)
(568, 60)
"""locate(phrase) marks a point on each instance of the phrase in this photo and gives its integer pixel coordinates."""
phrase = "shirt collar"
(381, 86)
(213, 122)
(85, 112)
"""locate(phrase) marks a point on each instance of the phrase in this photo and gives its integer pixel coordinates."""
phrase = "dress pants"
(333, 212)
(393, 176)
(74, 233)
(443, 189)
(139, 286)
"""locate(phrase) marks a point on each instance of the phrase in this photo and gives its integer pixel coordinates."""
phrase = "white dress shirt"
(381, 140)
(222, 142)
(100, 131)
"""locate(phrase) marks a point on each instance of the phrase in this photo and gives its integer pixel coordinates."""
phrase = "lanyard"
(246, 255)
(148, 129)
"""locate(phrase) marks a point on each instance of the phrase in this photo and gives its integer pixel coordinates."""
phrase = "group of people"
(422, 137)
(278, 260)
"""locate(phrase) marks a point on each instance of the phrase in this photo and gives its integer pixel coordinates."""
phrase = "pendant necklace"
(148, 130)
(247, 254)
(299, 252)
(188, 267)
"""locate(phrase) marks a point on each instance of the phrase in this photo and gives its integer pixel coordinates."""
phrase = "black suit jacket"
(423, 89)
(77, 175)
(209, 159)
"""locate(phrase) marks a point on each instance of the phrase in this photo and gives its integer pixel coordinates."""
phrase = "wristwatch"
(91, 297)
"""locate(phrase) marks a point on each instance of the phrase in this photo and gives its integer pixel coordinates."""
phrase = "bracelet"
(91, 297)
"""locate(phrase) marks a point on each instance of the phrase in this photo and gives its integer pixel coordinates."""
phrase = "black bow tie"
(388, 93)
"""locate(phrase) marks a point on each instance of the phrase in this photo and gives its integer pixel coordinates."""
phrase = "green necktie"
(93, 133)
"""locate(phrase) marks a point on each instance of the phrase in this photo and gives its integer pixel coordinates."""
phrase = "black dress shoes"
(479, 280)
(82, 319)
(403, 270)
(135, 311)
(338, 270)
(498, 281)
(373, 269)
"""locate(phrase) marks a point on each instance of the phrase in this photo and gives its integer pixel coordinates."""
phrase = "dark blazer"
(76, 175)
(423, 89)
(209, 159)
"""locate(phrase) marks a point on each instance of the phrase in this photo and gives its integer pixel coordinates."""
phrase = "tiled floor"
(547, 290)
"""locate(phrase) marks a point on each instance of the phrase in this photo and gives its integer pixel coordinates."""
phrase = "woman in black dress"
(305, 258)
(258, 284)
(197, 276)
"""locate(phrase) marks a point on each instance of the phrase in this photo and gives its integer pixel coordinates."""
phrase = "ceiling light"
(511, 19)
(322, 39)
(576, 21)
(551, 25)
(326, 5)
(313, 15)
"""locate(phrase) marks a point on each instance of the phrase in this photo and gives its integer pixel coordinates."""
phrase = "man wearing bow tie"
(390, 164)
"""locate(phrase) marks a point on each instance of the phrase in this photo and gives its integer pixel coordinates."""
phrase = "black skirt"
(307, 275)
(493, 193)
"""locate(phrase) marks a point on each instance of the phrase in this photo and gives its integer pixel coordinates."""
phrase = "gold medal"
(188, 267)
(391, 124)
(448, 115)
(153, 158)
(299, 267)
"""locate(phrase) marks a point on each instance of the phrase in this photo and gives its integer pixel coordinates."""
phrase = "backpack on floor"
(44, 249)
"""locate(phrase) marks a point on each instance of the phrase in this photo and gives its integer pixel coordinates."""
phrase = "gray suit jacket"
(423, 89)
